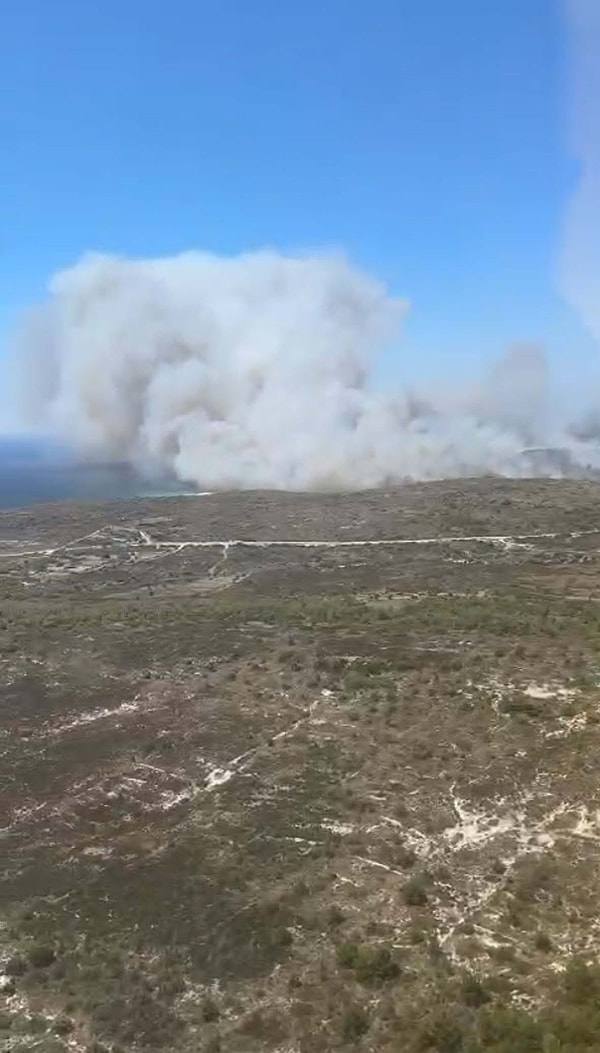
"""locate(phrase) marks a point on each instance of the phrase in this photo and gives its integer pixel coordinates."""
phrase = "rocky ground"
(301, 773)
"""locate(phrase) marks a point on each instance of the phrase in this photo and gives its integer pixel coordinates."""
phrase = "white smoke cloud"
(254, 372)
(580, 258)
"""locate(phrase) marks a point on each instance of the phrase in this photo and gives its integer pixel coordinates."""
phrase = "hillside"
(302, 773)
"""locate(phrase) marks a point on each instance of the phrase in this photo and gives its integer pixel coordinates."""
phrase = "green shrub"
(335, 916)
(582, 984)
(543, 942)
(40, 956)
(210, 1010)
(63, 1025)
(347, 955)
(371, 965)
(506, 1030)
(355, 1024)
(15, 966)
(415, 891)
(473, 993)
(440, 1033)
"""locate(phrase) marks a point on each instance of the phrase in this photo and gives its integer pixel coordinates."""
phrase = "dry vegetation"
(302, 798)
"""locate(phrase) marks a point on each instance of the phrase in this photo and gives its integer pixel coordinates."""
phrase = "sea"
(33, 472)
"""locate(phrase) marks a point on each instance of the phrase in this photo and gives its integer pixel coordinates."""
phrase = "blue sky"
(426, 139)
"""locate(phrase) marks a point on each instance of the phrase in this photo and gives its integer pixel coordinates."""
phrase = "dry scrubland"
(299, 798)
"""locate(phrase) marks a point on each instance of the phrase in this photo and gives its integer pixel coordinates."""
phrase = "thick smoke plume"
(254, 372)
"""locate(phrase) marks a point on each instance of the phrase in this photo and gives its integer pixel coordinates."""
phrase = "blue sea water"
(32, 471)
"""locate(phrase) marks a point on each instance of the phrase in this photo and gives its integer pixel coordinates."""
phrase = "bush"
(335, 916)
(212, 1044)
(280, 937)
(570, 1024)
(441, 1033)
(582, 983)
(473, 993)
(210, 1010)
(417, 934)
(355, 1024)
(504, 1030)
(40, 956)
(415, 891)
(543, 942)
(63, 1025)
(347, 955)
(371, 965)
(15, 966)
(535, 879)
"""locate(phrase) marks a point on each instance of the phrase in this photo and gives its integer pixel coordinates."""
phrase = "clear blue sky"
(424, 137)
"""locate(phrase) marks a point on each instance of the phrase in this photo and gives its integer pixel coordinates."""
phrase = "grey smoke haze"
(254, 372)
